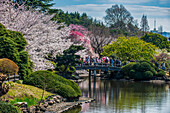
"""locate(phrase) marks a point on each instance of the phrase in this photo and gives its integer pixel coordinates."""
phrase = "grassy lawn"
(25, 93)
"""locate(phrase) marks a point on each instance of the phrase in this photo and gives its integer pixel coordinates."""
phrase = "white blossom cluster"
(41, 34)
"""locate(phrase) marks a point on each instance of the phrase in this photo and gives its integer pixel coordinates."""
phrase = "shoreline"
(65, 106)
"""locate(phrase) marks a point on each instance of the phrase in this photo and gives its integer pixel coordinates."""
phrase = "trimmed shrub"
(68, 82)
(62, 89)
(161, 73)
(8, 66)
(151, 64)
(39, 78)
(137, 66)
(148, 75)
(142, 70)
(138, 76)
(153, 71)
(132, 73)
(125, 70)
(144, 66)
(8, 108)
(53, 83)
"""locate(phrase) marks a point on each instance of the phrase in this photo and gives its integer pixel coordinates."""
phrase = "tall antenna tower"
(155, 25)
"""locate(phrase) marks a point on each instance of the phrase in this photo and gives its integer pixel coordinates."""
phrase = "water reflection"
(125, 97)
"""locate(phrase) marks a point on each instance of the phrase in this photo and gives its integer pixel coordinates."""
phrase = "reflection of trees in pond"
(74, 110)
(121, 96)
(130, 95)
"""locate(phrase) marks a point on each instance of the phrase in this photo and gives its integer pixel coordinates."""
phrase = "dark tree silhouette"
(118, 17)
(144, 24)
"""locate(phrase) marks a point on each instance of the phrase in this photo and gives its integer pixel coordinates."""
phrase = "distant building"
(160, 31)
(165, 34)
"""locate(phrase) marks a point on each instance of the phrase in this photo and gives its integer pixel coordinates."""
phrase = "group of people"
(104, 60)
(112, 62)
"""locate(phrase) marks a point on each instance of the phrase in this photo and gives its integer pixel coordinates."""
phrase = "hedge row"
(142, 70)
(53, 83)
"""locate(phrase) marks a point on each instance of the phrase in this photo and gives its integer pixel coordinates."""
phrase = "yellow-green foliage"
(8, 66)
(22, 90)
(130, 48)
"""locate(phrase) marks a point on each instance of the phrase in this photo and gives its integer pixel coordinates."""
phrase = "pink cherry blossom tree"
(41, 33)
(79, 35)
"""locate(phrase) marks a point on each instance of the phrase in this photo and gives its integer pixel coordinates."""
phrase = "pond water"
(124, 97)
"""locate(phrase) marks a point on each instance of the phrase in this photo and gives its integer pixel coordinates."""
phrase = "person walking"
(106, 61)
(111, 62)
(119, 63)
(87, 60)
(163, 66)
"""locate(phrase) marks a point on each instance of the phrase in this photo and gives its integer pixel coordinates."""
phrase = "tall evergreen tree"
(144, 24)
(42, 5)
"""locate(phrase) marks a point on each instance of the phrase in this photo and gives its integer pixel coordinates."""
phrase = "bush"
(137, 66)
(144, 66)
(12, 45)
(62, 89)
(143, 75)
(125, 70)
(39, 78)
(142, 70)
(68, 82)
(161, 73)
(8, 66)
(153, 71)
(138, 76)
(148, 75)
(8, 108)
(132, 73)
(54, 83)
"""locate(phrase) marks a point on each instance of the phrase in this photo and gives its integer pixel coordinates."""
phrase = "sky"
(158, 10)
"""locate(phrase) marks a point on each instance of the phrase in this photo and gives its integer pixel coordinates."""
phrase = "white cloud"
(125, 1)
(151, 11)
(161, 14)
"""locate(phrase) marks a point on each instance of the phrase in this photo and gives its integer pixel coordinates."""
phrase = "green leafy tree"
(130, 48)
(65, 63)
(12, 45)
(157, 40)
(120, 19)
